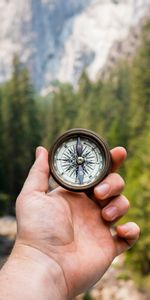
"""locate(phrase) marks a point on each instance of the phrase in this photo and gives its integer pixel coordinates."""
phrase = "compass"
(79, 159)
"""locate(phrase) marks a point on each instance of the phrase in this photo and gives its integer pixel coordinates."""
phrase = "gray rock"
(57, 39)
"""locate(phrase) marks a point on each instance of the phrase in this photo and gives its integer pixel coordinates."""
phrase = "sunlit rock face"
(57, 39)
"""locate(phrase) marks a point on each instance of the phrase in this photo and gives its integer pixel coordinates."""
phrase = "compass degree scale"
(79, 159)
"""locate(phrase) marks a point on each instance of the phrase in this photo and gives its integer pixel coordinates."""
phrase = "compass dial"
(79, 159)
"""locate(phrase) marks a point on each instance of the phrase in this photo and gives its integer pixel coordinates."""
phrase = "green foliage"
(4, 203)
(1, 143)
(21, 131)
(87, 296)
(138, 167)
(143, 282)
(61, 112)
(101, 106)
(118, 109)
(124, 276)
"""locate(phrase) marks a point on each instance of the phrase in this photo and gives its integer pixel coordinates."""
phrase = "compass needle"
(80, 174)
(79, 147)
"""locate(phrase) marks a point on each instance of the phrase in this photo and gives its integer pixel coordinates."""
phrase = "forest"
(116, 107)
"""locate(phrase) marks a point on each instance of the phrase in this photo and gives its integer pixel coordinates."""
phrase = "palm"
(69, 228)
(78, 239)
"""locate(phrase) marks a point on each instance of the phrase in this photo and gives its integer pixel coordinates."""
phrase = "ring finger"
(116, 208)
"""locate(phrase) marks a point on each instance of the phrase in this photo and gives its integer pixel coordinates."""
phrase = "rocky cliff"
(57, 39)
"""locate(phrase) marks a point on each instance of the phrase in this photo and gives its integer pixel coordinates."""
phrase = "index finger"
(118, 155)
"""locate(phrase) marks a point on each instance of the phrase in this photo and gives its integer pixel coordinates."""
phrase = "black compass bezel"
(88, 134)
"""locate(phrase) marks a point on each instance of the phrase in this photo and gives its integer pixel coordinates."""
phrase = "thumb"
(37, 179)
(127, 235)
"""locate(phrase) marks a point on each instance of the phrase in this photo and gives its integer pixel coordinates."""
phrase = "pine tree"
(1, 146)
(138, 188)
(23, 127)
(60, 113)
(140, 105)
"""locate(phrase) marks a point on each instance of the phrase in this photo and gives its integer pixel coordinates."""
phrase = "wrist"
(42, 276)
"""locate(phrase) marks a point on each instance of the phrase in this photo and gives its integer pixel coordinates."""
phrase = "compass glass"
(78, 161)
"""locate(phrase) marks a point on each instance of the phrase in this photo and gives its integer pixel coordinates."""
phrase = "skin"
(64, 244)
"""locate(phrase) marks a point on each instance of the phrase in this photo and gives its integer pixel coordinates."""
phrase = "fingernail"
(111, 212)
(38, 151)
(103, 189)
(126, 227)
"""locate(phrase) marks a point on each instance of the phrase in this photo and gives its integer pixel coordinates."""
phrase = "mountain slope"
(57, 39)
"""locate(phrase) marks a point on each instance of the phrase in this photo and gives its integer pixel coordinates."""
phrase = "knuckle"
(34, 194)
(40, 169)
(117, 180)
(125, 202)
(121, 182)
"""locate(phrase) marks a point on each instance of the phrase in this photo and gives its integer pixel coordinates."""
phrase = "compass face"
(79, 159)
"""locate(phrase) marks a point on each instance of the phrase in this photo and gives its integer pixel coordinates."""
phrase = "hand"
(69, 228)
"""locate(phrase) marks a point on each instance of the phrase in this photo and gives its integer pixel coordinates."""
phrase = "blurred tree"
(87, 296)
(83, 107)
(140, 105)
(1, 145)
(60, 114)
(138, 167)
(4, 196)
(22, 129)
(115, 99)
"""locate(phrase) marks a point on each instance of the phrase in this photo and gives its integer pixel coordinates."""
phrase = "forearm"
(27, 276)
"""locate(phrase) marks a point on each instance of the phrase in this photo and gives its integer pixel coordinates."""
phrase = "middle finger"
(116, 208)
